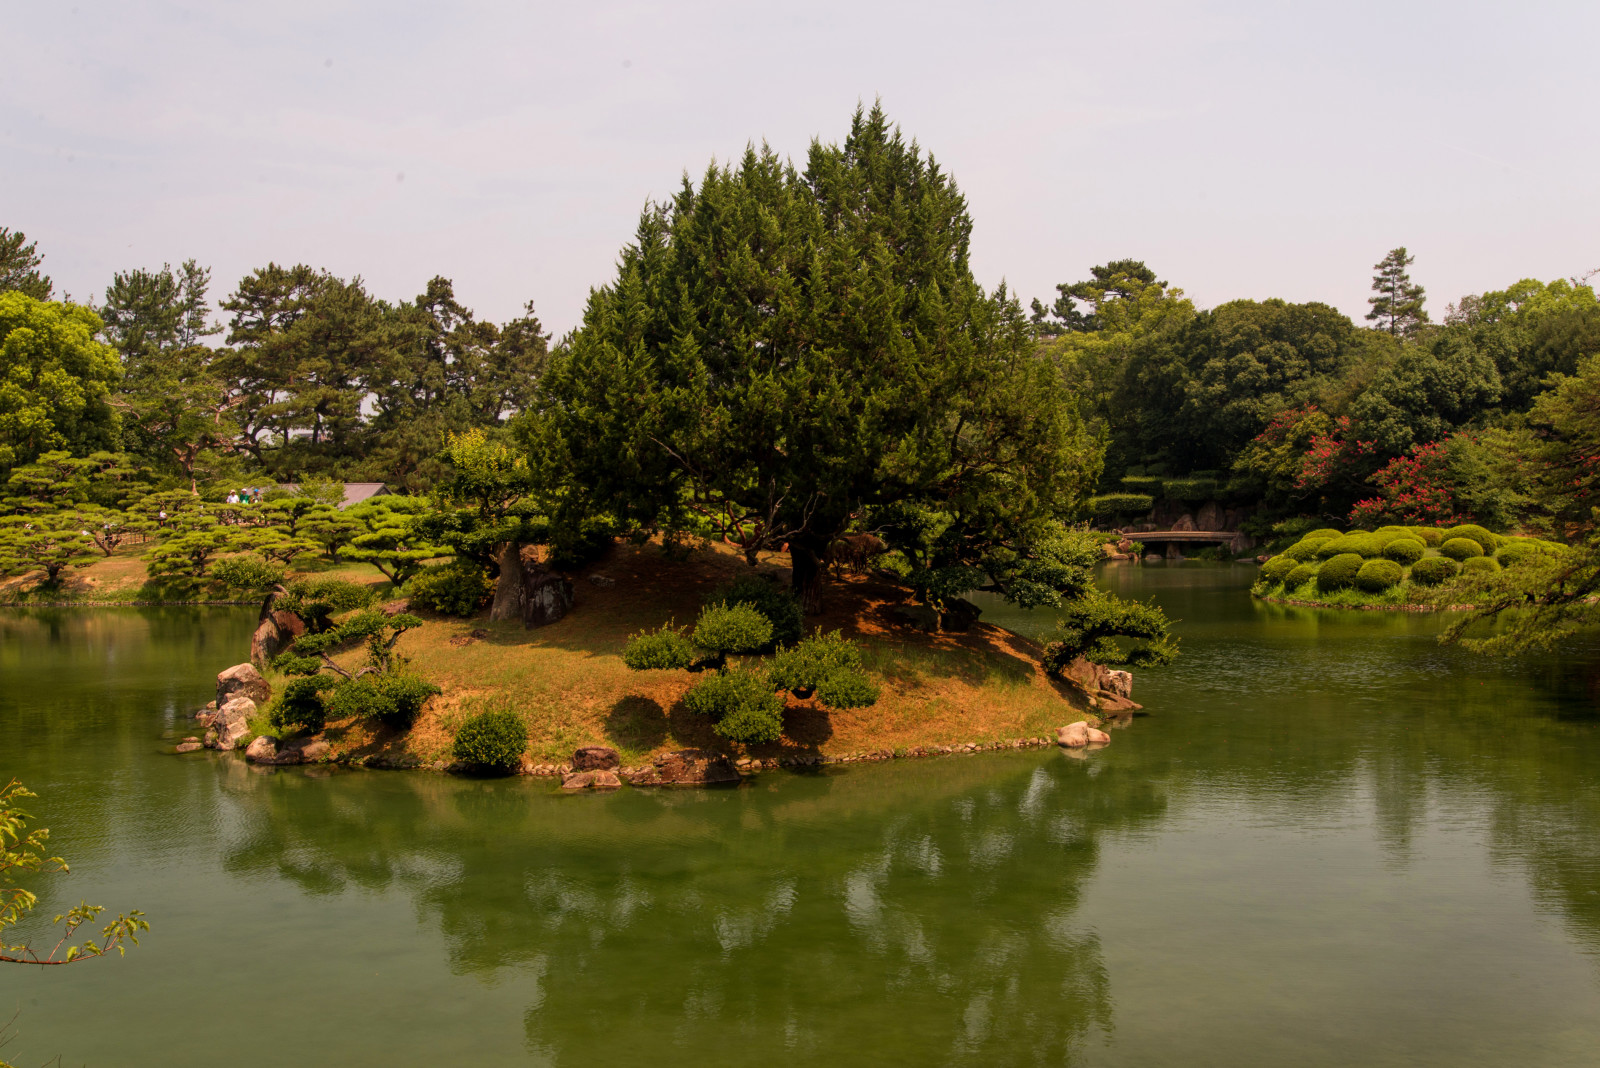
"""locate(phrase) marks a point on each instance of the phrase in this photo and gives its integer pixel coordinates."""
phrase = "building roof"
(356, 492)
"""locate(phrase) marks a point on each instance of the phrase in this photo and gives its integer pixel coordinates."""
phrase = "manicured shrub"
(395, 700)
(776, 602)
(1406, 550)
(1338, 573)
(1432, 570)
(1304, 550)
(1479, 565)
(1359, 542)
(1190, 490)
(1112, 505)
(732, 628)
(666, 648)
(847, 689)
(317, 600)
(301, 703)
(458, 588)
(1300, 576)
(246, 573)
(1324, 533)
(827, 665)
(1376, 576)
(1516, 550)
(742, 704)
(1432, 537)
(1459, 549)
(1144, 485)
(1277, 569)
(1486, 541)
(492, 740)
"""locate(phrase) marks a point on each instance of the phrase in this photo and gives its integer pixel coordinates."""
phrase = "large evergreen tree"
(1397, 303)
(783, 351)
(19, 266)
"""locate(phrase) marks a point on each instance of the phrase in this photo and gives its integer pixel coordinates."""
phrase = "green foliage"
(22, 852)
(459, 588)
(1432, 537)
(1300, 576)
(1460, 549)
(1398, 302)
(1515, 550)
(738, 628)
(827, 665)
(1434, 570)
(49, 541)
(1109, 630)
(1304, 550)
(1190, 490)
(1376, 576)
(316, 599)
(394, 699)
(379, 631)
(780, 606)
(1405, 550)
(1480, 565)
(1141, 485)
(389, 538)
(1119, 505)
(247, 574)
(1541, 603)
(1323, 533)
(1277, 569)
(301, 703)
(20, 260)
(492, 740)
(664, 649)
(1357, 541)
(1487, 541)
(56, 380)
(741, 703)
(847, 689)
(1339, 572)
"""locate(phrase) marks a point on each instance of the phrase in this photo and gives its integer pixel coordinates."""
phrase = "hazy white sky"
(1241, 149)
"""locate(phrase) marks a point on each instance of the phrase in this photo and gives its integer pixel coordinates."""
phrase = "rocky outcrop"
(264, 750)
(276, 631)
(595, 758)
(244, 680)
(231, 722)
(919, 617)
(591, 780)
(1108, 690)
(1210, 517)
(268, 750)
(686, 767)
(549, 597)
(1078, 735)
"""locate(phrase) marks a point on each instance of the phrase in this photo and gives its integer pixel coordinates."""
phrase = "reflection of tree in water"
(913, 913)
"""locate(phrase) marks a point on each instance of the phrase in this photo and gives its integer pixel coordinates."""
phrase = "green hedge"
(1300, 576)
(1486, 541)
(1277, 569)
(1376, 576)
(395, 700)
(732, 628)
(1480, 565)
(1459, 549)
(1516, 550)
(1406, 550)
(663, 649)
(1323, 533)
(1339, 573)
(1432, 570)
(1190, 490)
(1142, 485)
(1111, 505)
(1359, 542)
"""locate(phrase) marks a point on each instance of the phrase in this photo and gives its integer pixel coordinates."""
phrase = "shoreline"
(1367, 607)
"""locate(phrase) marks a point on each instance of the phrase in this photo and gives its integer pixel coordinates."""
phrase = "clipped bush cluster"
(1433, 570)
(247, 573)
(1432, 537)
(492, 741)
(300, 704)
(1486, 541)
(1459, 549)
(742, 704)
(732, 628)
(1300, 576)
(1339, 573)
(775, 602)
(1112, 505)
(1189, 490)
(1277, 569)
(1302, 551)
(1479, 565)
(1405, 550)
(826, 665)
(395, 699)
(1145, 485)
(459, 588)
(1515, 550)
(1376, 576)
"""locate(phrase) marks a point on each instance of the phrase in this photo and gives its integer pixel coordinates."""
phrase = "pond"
(1330, 841)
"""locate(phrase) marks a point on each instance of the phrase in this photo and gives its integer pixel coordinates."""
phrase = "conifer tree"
(19, 266)
(1397, 306)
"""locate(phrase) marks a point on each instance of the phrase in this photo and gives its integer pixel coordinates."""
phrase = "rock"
(264, 750)
(1210, 517)
(1098, 737)
(595, 758)
(959, 614)
(273, 635)
(1152, 558)
(591, 780)
(605, 582)
(206, 718)
(1125, 546)
(313, 750)
(547, 598)
(686, 767)
(1073, 735)
(1118, 682)
(231, 722)
(187, 747)
(395, 608)
(1184, 522)
(1110, 702)
(245, 680)
(919, 616)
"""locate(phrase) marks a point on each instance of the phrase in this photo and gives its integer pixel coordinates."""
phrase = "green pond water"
(1330, 842)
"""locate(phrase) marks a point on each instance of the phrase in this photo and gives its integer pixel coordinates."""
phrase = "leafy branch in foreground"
(22, 851)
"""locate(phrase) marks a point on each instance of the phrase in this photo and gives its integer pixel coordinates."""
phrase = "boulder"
(1117, 682)
(245, 680)
(686, 767)
(605, 582)
(232, 722)
(546, 598)
(187, 747)
(273, 635)
(603, 779)
(1166, 514)
(1097, 737)
(919, 616)
(1073, 735)
(1210, 517)
(595, 758)
(959, 614)
(264, 750)
(309, 750)
(1184, 522)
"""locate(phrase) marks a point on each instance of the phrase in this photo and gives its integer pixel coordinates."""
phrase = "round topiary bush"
(1338, 573)
(1459, 549)
(300, 704)
(1479, 565)
(394, 700)
(732, 628)
(1277, 569)
(1324, 533)
(1359, 542)
(1432, 570)
(1486, 541)
(666, 648)
(1515, 550)
(1300, 576)
(1303, 550)
(458, 588)
(1432, 537)
(742, 703)
(1327, 550)
(1406, 550)
(492, 741)
(776, 602)
(1376, 576)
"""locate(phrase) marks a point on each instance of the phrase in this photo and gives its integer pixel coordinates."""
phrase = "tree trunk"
(808, 560)
(509, 589)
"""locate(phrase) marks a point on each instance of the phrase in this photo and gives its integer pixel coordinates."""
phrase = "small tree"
(388, 538)
(1108, 630)
(1412, 490)
(1397, 306)
(49, 541)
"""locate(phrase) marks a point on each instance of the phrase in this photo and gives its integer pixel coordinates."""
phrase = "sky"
(1240, 149)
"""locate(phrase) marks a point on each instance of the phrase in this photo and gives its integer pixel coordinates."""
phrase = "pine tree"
(19, 265)
(1398, 304)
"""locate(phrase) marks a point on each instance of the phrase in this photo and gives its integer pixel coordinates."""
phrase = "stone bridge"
(1172, 541)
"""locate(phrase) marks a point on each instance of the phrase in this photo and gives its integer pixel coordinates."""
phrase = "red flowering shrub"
(1331, 456)
(1414, 490)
